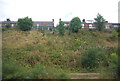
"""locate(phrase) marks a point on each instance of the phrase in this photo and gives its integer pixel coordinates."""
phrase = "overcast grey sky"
(46, 10)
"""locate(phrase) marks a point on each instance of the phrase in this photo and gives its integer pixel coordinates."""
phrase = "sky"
(46, 10)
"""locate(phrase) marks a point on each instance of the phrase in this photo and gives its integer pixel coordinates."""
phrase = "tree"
(99, 22)
(24, 24)
(61, 28)
(75, 24)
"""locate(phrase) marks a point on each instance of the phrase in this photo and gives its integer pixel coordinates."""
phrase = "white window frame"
(48, 28)
(12, 25)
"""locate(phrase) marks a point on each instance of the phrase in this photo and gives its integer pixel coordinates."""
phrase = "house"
(43, 25)
(49, 25)
(66, 23)
(0, 24)
(90, 24)
(3, 23)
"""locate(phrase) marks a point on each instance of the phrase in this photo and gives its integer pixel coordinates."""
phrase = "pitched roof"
(0, 22)
(37, 22)
(11, 22)
(66, 22)
(114, 23)
(43, 22)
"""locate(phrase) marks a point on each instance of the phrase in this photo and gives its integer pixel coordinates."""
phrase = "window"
(44, 24)
(40, 24)
(37, 25)
(52, 24)
(34, 25)
(48, 28)
(65, 24)
(90, 25)
(12, 25)
(107, 26)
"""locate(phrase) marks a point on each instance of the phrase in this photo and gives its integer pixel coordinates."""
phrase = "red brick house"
(47, 25)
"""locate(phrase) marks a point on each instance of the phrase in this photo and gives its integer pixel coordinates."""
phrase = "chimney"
(52, 20)
(59, 19)
(8, 19)
(106, 21)
(83, 20)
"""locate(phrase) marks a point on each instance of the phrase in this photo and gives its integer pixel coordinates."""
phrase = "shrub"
(114, 35)
(75, 24)
(88, 60)
(61, 28)
(93, 57)
(38, 72)
(117, 29)
(24, 24)
(4, 28)
(42, 72)
(113, 65)
(13, 70)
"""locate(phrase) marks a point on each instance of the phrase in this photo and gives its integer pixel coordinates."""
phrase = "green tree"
(99, 22)
(75, 24)
(24, 24)
(61, 28)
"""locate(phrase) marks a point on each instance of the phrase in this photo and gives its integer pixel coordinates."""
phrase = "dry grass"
(49, 45)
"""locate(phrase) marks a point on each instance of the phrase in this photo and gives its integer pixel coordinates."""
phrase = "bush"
(4, 29)
(25, 24)
(42, 72)
(61, 28)
(38, 72)
(117, 29)
(13, 70)
(75, 24)
(114, 36)
(92, 58)
(113, 65)
(88, 60)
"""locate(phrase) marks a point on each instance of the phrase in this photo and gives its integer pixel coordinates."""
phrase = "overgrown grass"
(50, 55)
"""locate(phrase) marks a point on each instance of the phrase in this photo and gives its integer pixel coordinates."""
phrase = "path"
(84, 75)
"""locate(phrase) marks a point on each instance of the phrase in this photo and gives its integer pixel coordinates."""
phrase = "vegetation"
(8, 25)
(75, 24)
(24, 24)
(113, 67)
(118, 31)
(32, 55)
(99, 22)
(61, 28)
(93, 58)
